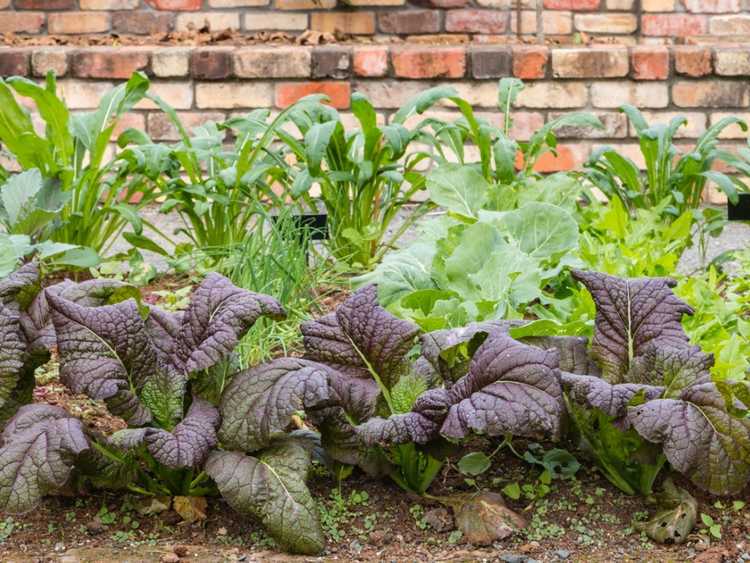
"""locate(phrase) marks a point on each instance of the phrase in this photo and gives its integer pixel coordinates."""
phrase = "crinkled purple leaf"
(438, 345)
(106, 353)
(219, 315)
(594, 392)
(677, 368)
(361, 337)
(421, 425)
(21, 286)
(699, 437)
(184, 447)
(511, 388)
(258, 405)
(632, 314)
(574, 354)
(39, 447)
(271, 488)
(164, 328)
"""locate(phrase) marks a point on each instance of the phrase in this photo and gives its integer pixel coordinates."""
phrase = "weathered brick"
(692, 61)
(530, 62)
(78, 22)
(389, 94)
(331, 62)
(108, 4)
(108, 63)
(237, 3)
(233, 95)
(304, 4)
(273, 21)
(179, 95)
(501, 4)
(366, 3)
(429, 62)
(177, 5)
(733, 131)
(712, 6)
(569, 157)
(625, 5)
(161, 128)
(678, 25)
(658, 5)
(606, 23)
(590, 62)
(339, 93)
(142, 22)
(354, 23)
(211, 63)
(732, 62)
(49, 59)
(476, 21)
(409, 22)
(14, 63)
(525, 124)
(45, 4)
(639, 94)
(615, 126)
(491, 62)
(213, 21)
(574, 5)
(21, 22)
(710, 94)
(370, 61)
(442, 4)
(730, 25)
(650, 63)
(83, 94)
(556, 95)
(131, 120)
(479, 94)
(555, 22)
(170, 62)
(696, 122)
(272, 62)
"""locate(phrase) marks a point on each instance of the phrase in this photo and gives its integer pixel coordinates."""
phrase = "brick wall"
(627, 21)
(704, 83)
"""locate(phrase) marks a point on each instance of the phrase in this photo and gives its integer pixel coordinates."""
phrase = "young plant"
(93, 200)
(649, 397)
(366, 176)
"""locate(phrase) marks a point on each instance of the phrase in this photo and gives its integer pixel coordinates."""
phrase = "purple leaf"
(632, 314)
(594, 392)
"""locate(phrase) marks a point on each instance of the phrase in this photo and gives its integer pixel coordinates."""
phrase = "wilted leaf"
(483, 517)
(676, 517)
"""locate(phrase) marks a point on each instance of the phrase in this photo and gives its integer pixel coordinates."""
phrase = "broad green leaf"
(317, 140)
(542, 230)
(18, 194)
(460, 189)
(474, 463)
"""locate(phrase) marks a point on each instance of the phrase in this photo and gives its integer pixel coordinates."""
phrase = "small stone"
(95, 526)
(440, 519)
(513, 558)
(529, 547)
(562, 553)
(180, 550)
(355, 546)
(59, 546)
(170, 558)
(221, 531)
(377, 537)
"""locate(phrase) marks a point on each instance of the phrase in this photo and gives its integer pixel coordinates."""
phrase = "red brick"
(14, 63)
(141, 22)
(568, 157)
(530, 62)
(442, 4)
(45, 4)
(692, 61)
(409, 22)
(354, 23)
(581, 5)
(21, 22)
(476, 21)
(108, 63)
(211, 63)
(370, 61)
(339, 93)
(178, 5)
(78, 22)
(108, 4)
(650, 63)
(429, 62)
(677, 25)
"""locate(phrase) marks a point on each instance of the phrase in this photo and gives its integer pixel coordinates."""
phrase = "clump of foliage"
(649, 397)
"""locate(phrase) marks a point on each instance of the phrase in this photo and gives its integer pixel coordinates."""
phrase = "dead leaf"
(191, 509)
(678, 512)
(483, 517)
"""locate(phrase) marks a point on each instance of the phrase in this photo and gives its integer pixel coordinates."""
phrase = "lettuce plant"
(649, 398)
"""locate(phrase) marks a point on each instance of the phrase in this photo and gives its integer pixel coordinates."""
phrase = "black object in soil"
(739, 211)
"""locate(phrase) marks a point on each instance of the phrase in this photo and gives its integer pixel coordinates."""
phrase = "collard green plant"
(653, 399)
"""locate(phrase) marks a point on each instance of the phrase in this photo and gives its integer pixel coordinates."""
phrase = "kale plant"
(649, 398)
